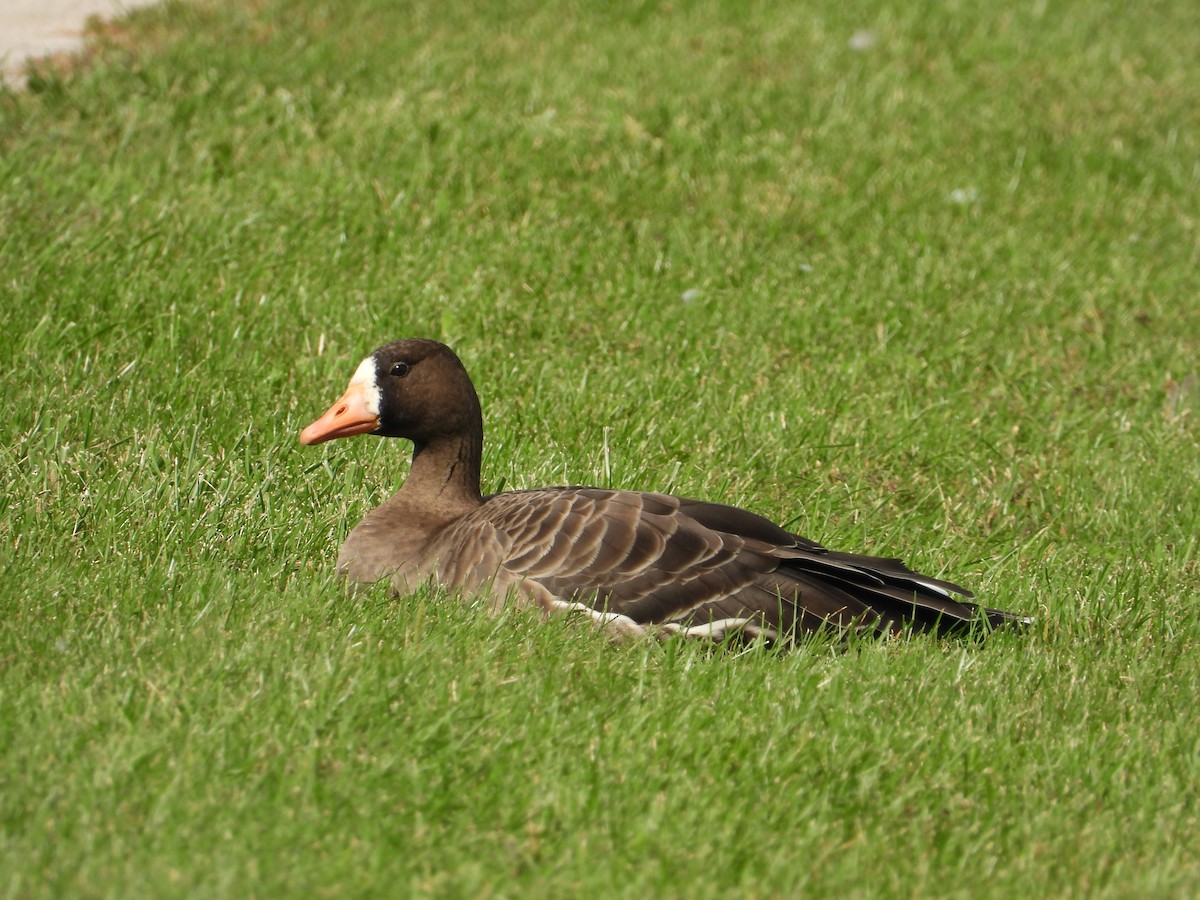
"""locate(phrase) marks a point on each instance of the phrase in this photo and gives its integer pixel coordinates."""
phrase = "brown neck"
(445, 474)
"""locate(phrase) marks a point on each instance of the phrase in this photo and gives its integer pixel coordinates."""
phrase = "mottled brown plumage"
(632, 561)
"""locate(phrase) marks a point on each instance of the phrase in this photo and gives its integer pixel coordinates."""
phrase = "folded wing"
(684, 564)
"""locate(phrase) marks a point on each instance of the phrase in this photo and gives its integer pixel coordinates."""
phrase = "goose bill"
(352, 414)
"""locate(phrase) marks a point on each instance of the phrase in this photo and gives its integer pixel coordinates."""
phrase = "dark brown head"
(415, 389)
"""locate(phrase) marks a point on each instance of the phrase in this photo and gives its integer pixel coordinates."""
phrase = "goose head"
(414, 389)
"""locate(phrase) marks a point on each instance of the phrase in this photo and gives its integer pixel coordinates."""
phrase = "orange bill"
(351, 415)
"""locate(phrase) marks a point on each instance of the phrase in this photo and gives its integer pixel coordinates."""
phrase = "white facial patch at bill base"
(366, 379)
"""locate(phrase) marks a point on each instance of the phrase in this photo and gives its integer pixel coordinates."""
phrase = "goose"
(634, 562)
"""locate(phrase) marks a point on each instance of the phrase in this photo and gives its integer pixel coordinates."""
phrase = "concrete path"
(30, 28)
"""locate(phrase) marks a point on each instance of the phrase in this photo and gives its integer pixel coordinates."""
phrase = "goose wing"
(659, 559)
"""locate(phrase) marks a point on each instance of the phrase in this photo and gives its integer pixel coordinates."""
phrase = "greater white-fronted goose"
(632, 561)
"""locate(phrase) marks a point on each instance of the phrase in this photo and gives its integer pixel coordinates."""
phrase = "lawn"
(917, 282)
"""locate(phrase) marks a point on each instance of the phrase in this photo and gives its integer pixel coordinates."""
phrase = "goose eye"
(400, 369)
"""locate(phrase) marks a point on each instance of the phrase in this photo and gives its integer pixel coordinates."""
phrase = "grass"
(934, 297)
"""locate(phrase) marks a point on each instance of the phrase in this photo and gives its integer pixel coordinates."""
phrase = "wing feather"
(655, 558)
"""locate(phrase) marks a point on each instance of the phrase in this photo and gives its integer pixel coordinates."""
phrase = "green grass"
(935, 298)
